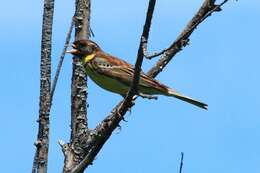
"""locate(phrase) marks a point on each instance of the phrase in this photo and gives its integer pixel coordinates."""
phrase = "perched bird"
(115, 75)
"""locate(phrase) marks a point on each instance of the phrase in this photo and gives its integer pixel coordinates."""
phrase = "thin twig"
(140, 54)
(55, 80)
(181, 163)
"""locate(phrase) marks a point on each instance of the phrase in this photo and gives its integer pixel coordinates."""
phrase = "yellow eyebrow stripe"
(87, 58)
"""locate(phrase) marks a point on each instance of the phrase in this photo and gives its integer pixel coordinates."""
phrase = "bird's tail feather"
(177, 95)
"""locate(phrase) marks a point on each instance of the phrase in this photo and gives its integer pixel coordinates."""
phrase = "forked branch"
(207, 8)
(205, 11)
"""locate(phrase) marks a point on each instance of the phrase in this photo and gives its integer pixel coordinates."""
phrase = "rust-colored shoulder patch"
(113, 60)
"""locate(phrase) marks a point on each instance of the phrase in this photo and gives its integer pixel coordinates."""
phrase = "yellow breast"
(87, 58)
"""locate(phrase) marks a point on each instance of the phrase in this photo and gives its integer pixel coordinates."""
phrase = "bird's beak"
(73, 51)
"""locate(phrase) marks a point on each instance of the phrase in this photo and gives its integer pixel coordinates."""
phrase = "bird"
(115, 75)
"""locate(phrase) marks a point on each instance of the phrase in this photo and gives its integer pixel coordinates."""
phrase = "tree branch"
(207, 8)
(181, 163)
(55, 80)
(74, 151)
(42, 144)
(205, 11)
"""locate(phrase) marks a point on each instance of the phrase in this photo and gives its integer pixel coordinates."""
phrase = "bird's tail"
(177, 95)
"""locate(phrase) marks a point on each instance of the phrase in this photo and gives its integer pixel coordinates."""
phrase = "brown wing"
(124, 72)
(113, 60)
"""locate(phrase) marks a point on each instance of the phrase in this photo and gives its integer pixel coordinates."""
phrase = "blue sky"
(220, 67)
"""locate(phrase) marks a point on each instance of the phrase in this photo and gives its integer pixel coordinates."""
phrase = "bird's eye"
(86, 49)
(89, 49)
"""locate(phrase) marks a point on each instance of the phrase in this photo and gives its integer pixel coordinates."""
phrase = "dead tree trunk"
(42, 143)
(74, 151)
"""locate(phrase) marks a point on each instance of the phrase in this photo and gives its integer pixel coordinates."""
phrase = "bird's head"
(83, 48)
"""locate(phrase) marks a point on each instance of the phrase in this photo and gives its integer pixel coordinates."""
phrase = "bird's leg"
(147, 96)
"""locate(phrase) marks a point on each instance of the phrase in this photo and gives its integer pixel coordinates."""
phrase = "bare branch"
(42, 143)
(207, 8)
(181, 163)
(79, 127)
(79, 87)
(140, 54)
(205, 11)
(55, 80)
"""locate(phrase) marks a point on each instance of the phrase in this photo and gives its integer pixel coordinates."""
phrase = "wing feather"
(124, 72)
